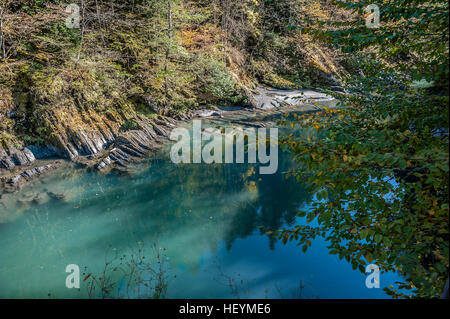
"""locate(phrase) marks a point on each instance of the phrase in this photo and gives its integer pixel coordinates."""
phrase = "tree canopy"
(379, 163)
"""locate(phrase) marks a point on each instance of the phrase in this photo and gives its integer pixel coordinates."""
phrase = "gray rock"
(106, 162)
(29, 155)
(28, 174)
(7, 163)
(132, 150)
(56, 196)
(3, 152)
(121, 170)
(122, 140)
(272, 98)
(37, 199)
(43, 168)
(208, 113)
(16, 158)
(15, 180)
(120, 163)
(159, 130)
(118, 154)
(20, 159)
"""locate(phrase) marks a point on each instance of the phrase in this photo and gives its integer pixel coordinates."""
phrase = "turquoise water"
(211, 225)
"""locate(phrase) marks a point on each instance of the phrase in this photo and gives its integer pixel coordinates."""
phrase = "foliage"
(379, 163)
(130, 125)
(126, 59)
(216, 82)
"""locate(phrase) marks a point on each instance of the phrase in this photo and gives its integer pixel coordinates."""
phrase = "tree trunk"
(169, 17)
(2, 39)
(170, 21)
(83, 25)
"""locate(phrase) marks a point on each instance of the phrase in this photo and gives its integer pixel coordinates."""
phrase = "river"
(212, 226)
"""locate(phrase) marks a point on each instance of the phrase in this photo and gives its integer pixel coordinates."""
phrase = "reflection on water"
(214, 222)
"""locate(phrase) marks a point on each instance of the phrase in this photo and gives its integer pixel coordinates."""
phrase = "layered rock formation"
(100, 141)
(117, 138)
(12, 157)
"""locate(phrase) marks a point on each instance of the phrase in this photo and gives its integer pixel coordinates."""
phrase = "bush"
(216, 82)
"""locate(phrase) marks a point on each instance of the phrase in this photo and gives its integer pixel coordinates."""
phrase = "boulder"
(56, 196)
(28, 174)
(7, 163)
(208, 113)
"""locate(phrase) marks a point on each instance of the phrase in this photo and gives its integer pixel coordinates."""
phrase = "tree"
(3, 7)
(379, 164)
(169, 44)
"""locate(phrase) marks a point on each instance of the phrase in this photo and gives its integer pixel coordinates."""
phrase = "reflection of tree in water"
(211, 190)
(276, 204)
(223, 201)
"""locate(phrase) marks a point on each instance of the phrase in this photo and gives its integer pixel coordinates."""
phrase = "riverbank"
(109, 93)
(123, 148)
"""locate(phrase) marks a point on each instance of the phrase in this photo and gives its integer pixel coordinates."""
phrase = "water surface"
(212, 224)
